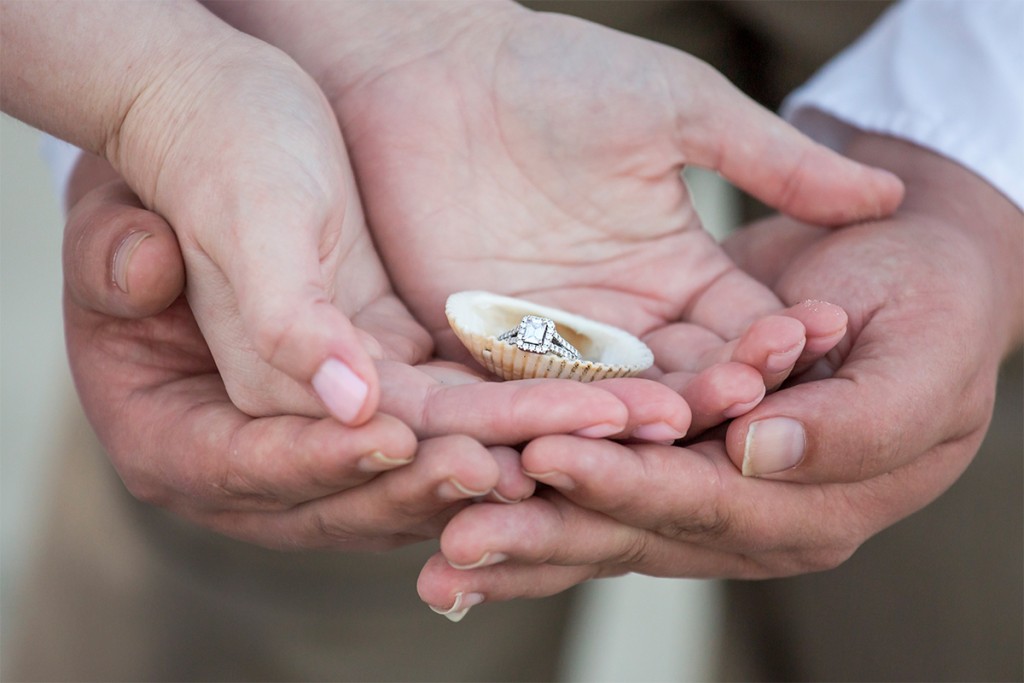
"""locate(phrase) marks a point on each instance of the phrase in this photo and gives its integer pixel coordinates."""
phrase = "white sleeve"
(947, 75)
(61, 158)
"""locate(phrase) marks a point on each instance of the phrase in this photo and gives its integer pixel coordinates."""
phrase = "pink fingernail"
(658, 431)
(378, 462)
(340, 389)
(778, 362)
(123, 257)
(737, 409)
(773, 445)
(487, 560)
(456, 490)
(560, 480)
(598, 431)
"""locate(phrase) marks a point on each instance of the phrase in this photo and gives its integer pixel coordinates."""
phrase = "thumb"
(859, 424)
(119, 258)
(289, 318)
(765, 156)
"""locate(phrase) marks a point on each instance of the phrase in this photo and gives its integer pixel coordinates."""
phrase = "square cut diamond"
(534, 330)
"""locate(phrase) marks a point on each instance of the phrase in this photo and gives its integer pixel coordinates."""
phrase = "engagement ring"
(538, 335)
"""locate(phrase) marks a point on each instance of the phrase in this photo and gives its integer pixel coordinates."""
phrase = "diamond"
(534, 330)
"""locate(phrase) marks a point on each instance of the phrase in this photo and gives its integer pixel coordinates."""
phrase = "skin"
(150, 386)
(152, 390)
(177, 102)
(551, 173)
(885, 434)
(242, 490)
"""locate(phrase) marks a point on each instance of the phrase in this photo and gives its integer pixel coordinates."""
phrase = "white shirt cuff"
(943, 74)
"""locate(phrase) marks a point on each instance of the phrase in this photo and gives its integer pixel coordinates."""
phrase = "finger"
(825, 326)
(771, 345)
(275, 463)
(777, 346)
(770, 159)
(513, 486)
(535, 531)
(688, 494)
(552, 530)
(731, 303)
(815, 432)
(120, 259)
(290, 315)
(218, 459)
(300, 332)
(656, 413)
(718, 393)
(697, 496)
(682, 347)
(731, 529)
(437, 400)
(408, 504)
(452, 593)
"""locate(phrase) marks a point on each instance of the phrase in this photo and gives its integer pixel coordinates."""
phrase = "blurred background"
(36, 381)
(937, 597)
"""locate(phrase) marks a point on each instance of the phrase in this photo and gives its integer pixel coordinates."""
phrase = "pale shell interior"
(478, 317)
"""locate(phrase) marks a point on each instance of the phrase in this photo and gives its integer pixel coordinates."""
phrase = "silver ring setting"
(538, 335)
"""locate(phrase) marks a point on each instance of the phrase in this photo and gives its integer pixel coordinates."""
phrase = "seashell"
(478, 318)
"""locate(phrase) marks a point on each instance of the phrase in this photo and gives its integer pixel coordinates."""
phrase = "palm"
(542, 169)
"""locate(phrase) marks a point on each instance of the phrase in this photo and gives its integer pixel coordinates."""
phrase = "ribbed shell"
(479, 317)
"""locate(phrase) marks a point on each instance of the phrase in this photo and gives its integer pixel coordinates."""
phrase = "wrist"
(200, 90)
(961, 206)
(342, 43)
(76, 69)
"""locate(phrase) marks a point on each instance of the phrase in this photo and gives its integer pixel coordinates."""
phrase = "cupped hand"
(540, 156)
(898, 412)
(240, 152)
(152, 391)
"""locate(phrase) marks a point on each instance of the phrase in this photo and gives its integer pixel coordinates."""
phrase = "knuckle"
(238, 491)
(271, 335)
(145, 489)
(636, 551)
(328, 531)
(139, 482)
(249, 400)
(823, 559)
(285, 329)
(707, 527)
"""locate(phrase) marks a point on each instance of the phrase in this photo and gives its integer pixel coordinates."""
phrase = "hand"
(502, 149)
(899, 416)
(232, 142)
(151, 389)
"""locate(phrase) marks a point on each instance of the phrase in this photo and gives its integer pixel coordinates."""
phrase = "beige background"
(32, 367)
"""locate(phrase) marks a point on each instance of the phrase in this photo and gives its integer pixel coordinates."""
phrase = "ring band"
(538, 335)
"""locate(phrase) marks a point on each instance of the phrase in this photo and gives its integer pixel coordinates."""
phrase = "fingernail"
(123, 257)
(454, 490)
(658, 431)
(340, 389)
(737, 409)
(784, 360)
(773, 445)
(598, 431)
(378, 462)
(560, 480)
(507, 501)
(486, 561)
(463, 602)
